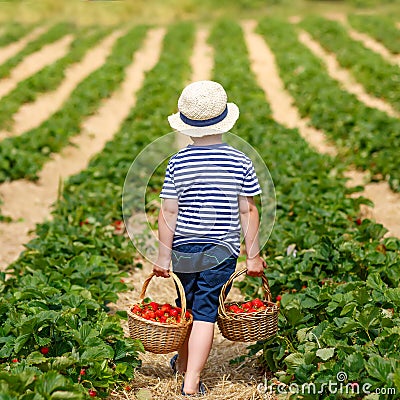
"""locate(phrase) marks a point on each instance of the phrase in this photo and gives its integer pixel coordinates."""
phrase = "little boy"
(207, 199)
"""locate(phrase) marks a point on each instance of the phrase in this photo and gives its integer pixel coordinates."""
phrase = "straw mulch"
(155, 380)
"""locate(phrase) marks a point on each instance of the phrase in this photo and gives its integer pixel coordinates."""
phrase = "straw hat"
(203, 110)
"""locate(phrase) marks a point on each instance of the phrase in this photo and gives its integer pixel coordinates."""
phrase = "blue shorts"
(203, 287)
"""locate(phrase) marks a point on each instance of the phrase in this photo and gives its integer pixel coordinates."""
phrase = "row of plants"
(56, 338)
(380, 27)
(364, 136)
(13, 31)
(49, 77)
(378, 76)
(55, 33)
(23, 156)
(337, 279)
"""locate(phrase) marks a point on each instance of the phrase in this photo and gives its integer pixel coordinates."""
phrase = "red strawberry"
(151, 314)
(166, 308)
(92, 393)
(154, 305)
(187, 315)
(159, 313)
(358, 221)
(163, 319)
(252, 310)
(174, 312)
(44, 350)
(304, 287)
(257, 303)
(82, 371)
(128, 388)
(136, 309)
(14, 360)
(247, 306)
(279, 297)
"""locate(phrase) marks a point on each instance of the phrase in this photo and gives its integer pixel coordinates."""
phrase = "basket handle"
(222, 296)
(180, 288)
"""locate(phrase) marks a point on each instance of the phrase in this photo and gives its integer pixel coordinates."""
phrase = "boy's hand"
(161, 271)
(255, 266)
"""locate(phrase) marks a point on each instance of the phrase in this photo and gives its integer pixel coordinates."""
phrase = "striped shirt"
(207, 181)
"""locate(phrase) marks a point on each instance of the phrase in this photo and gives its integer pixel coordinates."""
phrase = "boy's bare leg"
(181, 363)
(199, 346)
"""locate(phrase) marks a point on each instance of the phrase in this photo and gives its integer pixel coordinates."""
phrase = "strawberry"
(14, 360)
(151, 314)
(187, 315)
(92, 393)
(44, 350)
(279, 297)
(166, 308)
(174, 312)
(252, 310)
(257, 303)
(82, 371)
(136, 309)
(247, 306)
(358, 221)
(153, 305)
(234, 308)
(163, 319)
(304, 287)
(128, 388)
(159, 313)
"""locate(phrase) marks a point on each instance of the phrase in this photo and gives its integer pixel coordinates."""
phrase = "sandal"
(202, 390)
(172, 363)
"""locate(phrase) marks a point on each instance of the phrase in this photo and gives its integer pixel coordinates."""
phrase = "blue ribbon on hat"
(204, 122)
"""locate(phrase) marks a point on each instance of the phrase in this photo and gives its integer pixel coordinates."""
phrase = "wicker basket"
(157, 337)
(247, 327)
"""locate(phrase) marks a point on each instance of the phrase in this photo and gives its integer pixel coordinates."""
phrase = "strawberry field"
(333, 262)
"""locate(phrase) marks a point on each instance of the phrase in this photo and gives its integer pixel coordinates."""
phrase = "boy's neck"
(207, 140)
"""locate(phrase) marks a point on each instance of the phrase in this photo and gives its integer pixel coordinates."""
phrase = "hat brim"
(221, 127)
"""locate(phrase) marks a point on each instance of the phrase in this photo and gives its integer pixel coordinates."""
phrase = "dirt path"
(366, 40)
(223, 380)
(267, 75)
(31, 202)
(387, 203)
(12, 49)
(344, 77)
(373, 45)
(386, 210)
(31, 115)
(35, 62)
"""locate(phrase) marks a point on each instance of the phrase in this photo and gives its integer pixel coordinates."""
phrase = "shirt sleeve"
(168, 190)
(250, 186)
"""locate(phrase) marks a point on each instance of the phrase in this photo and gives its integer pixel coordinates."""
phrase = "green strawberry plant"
(335, 276)
(380, 27)
(23, 156)
(378, 76)
(57, 337)
(355, 128)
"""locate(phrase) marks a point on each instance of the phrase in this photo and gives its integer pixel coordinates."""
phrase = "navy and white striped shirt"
(207, 181)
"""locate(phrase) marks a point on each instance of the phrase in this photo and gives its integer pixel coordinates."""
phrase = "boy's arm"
(249, 220)
(166, 228)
